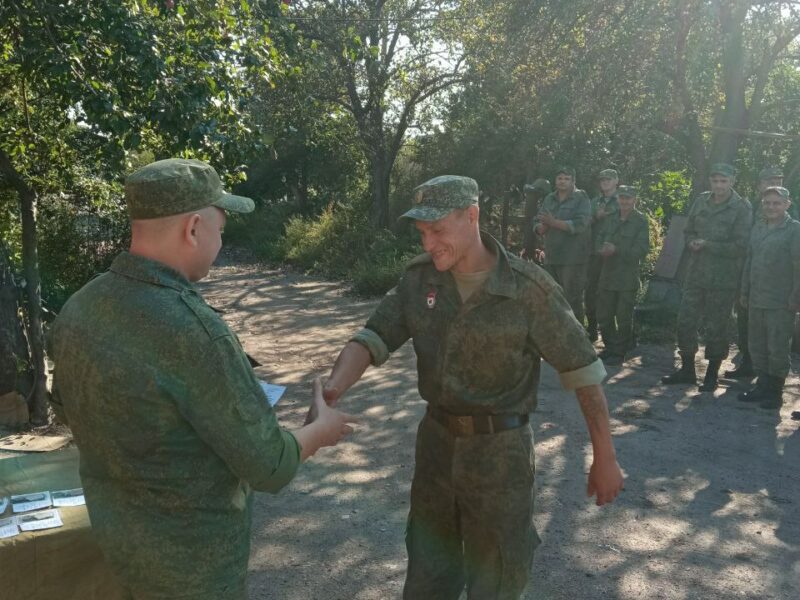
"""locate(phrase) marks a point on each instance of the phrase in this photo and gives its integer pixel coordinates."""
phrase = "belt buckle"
(463, 425)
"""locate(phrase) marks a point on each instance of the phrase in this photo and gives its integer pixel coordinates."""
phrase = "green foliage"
(261, 232)
(664, 194)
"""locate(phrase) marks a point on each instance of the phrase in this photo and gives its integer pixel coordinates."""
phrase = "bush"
(260, 232)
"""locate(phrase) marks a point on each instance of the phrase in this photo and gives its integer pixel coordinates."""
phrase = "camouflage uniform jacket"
(611, 206)
(482, 356)
(772, 271)
(631, 238)
(567, 247)
(172, 427)
(725, 227)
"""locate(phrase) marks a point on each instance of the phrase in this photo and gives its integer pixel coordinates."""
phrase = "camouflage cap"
(540, 185)
(722, 169)
(608, 174)
(178, 185)
(565, 170)
(626, 190)
(776, 189)
(438, 197)
(770, 172)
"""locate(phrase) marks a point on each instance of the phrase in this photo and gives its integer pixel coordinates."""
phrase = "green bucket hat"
(722, 169)
(438, 197)
(608, 174)
(776, 189)
(626, 190)
(178, 185)
(541, 185)
(770, 172)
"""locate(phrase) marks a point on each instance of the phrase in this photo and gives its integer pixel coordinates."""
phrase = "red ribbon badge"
(431, 299)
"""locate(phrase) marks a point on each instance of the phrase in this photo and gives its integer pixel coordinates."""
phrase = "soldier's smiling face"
(720, 184)
(448, 239)
(774, 207)
(626, 203)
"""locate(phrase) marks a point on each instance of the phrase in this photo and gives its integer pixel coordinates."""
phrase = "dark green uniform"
(771, 283)
(173, 431)
(712, 274)
(610, 206)
(567, 252)
(619, 278)
(471, 511)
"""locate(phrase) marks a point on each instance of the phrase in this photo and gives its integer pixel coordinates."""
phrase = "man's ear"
(190, 227)
(473, 213)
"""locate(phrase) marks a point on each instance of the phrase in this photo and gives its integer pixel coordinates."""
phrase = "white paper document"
(8, 527)
(273, 392)
(44, 519)
(34, 501)
(3, 505)
(68, 497)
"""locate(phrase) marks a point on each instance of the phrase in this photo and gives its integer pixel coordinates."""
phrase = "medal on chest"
(431, 299)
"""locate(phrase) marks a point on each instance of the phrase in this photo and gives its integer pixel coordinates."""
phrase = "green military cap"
(178, 185)
(608, 174)
(722, 169)
(626, 190)
(566, 171)
(438, 197)
(541, 185)
(776, 189)
(770, 172)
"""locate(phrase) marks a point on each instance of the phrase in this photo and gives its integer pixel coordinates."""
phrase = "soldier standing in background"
(603, 205)
(622, 243)
(534, 193)
(716, 236)
(564, 220)
(771, 293)
(768, 177)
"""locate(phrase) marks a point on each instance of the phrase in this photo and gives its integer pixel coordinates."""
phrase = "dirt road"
(710, 509)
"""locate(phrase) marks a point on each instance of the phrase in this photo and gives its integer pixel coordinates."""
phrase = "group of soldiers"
(742, 257)
(593, 249)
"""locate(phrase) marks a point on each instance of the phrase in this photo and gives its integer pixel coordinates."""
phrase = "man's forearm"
(595, 411)
(350, 365)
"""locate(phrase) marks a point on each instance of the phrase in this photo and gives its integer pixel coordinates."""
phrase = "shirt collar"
(149, 271)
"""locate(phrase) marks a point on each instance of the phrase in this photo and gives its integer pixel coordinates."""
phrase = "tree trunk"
(37, 401)
(380, 171)
(14, 360)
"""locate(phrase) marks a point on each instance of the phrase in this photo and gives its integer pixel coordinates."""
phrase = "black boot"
(757, 392)
(712, 373)
(745, 368)
(686, 374)
(773, 398)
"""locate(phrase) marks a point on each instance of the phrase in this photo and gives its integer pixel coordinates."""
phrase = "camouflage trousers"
(592, 294)
(742, 329)
(572, 279)
(770, 336)
(471, 516)
(615, 317)
(712, 309)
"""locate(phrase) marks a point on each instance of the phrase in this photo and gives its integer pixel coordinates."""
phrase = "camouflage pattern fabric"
(567, 247)
(631, 238)
(771, 275)
(712, 309)
(770, 333)
(471, 497)
(771, 282)
(609, 205)
(725, 227)
(173, 431)
(438, 197)
(178, 185)
(615, 318)
(572, 279)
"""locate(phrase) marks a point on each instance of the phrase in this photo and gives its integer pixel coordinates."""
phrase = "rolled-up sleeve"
(591, 374)
(374, 344)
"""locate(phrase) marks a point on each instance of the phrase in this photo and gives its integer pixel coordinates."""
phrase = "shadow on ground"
(710, 508)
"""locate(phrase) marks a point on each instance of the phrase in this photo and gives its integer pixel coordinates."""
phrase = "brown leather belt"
(466, 425)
